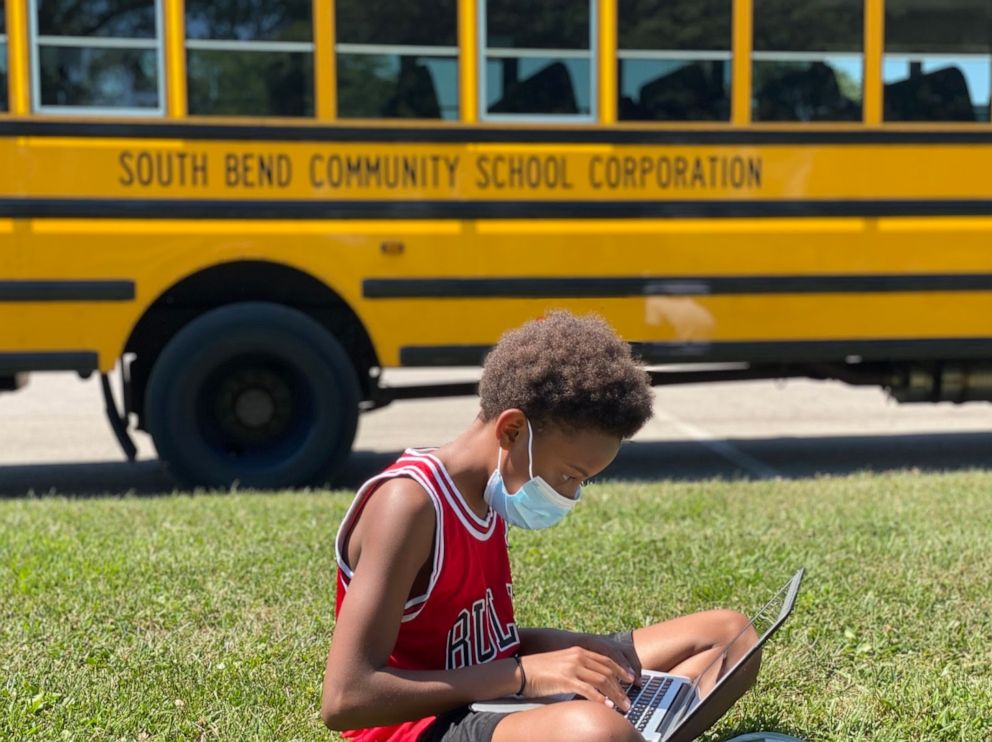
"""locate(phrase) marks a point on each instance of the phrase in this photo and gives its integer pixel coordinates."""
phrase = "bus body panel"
(432, 245)
(678, 260)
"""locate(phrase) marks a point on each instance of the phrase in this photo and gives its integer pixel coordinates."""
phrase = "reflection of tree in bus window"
(808, 26)
(98, 77)
(548, 24)
(250, 83)
(686, 25)
(102, 54)
(945, 27)
(538, 57)
(397, 86)
(230, 73)
(397, 59)
(249, 20)
(395, 22)
(806, 91)
(674, 60)
(807, 60)
(134, 19)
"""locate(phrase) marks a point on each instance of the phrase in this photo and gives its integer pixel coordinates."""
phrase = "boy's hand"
(577, 670)
(621, 652)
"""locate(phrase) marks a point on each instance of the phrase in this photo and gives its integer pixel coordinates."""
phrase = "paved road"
(54, 437)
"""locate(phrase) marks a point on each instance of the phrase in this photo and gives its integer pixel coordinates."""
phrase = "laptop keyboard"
(644, 700)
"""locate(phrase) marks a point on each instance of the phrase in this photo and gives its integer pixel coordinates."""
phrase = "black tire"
(254, 394)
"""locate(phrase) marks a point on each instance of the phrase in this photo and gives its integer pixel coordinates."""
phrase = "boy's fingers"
(606, 686)
(621, 652)
(612, 671)
(633, 661)
(630, 670)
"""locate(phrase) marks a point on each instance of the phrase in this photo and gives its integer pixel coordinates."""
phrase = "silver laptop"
(673, 708)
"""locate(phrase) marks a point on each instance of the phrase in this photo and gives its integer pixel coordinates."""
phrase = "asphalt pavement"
(54, 437)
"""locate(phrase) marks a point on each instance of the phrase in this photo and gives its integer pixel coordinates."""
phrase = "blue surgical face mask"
(536, 504)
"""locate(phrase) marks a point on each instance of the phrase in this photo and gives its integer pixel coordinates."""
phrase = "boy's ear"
(509, 425)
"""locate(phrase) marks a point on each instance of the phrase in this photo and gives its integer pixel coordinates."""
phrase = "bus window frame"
(260, 46)
(35, 41)
(676, 55)
(908, 57)
(594, 115)
(757, 56)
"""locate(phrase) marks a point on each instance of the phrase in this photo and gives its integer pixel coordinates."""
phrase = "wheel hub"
(253, 407)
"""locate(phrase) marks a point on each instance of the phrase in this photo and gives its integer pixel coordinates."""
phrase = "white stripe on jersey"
(480, 528)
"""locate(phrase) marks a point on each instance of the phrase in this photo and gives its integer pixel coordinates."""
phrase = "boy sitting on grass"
(424, 611)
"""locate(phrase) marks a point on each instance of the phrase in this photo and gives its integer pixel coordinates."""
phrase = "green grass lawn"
(209, 616)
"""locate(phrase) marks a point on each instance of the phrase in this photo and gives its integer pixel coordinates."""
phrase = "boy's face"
(564, 459)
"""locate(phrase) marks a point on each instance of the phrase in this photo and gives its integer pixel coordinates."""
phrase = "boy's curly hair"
(571, 372)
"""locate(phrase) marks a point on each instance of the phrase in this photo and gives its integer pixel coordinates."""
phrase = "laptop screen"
(737, 651)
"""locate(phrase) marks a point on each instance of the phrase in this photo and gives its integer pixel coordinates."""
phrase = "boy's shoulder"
(398, 518)
(399, 497)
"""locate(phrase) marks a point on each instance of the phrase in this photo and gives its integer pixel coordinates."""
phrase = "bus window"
(937, 60)
(397, 59)
(538, 59)
(674, 60)
(249, 58)
(3, 57)
(808, 60)
(97, 57)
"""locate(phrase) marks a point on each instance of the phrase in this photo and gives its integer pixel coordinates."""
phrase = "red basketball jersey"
(465, 616)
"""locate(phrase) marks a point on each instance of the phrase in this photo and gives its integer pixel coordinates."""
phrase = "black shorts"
(462, 725)
(465, 725)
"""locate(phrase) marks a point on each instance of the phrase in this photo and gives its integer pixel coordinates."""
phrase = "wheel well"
(250, 280)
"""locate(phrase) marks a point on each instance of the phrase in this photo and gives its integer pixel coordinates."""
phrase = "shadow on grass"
(686, 460)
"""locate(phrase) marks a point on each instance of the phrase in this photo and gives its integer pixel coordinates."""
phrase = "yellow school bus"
(256, 206)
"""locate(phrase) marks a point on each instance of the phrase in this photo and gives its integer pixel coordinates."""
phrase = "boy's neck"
(470, 460)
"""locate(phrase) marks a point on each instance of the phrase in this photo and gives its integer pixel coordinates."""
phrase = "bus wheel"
(254, 394)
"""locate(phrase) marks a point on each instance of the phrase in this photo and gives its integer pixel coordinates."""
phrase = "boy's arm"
(533, 641)
(359, 689)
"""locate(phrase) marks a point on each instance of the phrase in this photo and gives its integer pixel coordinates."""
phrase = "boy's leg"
(569, 721)
(688, 645)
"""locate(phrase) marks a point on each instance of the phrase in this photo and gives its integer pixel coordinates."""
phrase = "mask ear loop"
(530, 453)
(530, 450)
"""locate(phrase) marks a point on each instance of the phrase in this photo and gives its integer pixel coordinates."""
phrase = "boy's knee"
(732, 624)
(594, 722)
